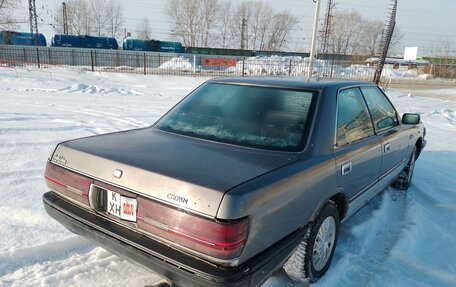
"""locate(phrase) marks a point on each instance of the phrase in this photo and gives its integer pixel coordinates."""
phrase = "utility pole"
(33, 23)
(327, 27)
(314, 38)
(65, 19)
(243, 26)
(386, 40)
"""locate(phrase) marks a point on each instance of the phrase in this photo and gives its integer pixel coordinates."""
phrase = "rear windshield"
(261, 117)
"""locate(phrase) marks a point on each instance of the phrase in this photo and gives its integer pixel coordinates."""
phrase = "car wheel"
(405, 177)
(314, 253)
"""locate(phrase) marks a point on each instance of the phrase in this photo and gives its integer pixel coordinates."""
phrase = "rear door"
(393, 136)
(357, 150)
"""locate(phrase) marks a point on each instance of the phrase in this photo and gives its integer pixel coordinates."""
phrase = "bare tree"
(396, 40)
(352, 34)
(222, 28)
(265, 29)
(115, 19)
(78, 15)
(193, 21)
(143, 30)
(443, 58)
(91, 17)
(281, 25)
(182, 14)
(259, 25)
(241, 14)
(373, 30)
(347, 32)
(99, 19)
(8, 19)
(209, 18)
(226, 24)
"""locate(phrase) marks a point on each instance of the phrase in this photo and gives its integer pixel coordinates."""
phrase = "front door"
(389, 131)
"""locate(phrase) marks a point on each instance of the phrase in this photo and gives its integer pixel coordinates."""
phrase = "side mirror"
(411, 119)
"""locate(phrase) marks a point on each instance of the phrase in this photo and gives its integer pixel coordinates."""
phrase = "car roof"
(289, 82)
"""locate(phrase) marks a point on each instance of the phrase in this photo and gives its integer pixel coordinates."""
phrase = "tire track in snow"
(78, 269)
(19, 258)
(130, 122)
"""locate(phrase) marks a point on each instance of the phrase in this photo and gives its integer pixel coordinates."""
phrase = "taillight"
(68, 183)
(222, 240)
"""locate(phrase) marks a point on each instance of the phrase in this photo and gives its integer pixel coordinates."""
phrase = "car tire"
(404, 179)
(314, 253)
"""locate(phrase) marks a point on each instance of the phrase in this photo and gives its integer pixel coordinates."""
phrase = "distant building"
(401, 64)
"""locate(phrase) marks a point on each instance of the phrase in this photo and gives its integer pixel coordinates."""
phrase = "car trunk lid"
(189, 173)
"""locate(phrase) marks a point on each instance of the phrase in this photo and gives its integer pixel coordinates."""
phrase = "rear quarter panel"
(279, 203)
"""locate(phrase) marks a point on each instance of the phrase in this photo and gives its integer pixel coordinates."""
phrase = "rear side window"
(383, 113)
(353, 119)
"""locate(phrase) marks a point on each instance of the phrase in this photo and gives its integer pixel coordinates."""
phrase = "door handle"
(346, 168)
(387, 147)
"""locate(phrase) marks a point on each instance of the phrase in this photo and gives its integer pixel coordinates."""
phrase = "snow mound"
(95, 89)
(177, 64)
(270, 65)
(298, 66)
(426, 77)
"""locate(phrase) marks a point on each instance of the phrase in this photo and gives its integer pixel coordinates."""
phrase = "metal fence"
(178, 64)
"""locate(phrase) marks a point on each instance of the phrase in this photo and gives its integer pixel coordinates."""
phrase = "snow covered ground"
(398, 239)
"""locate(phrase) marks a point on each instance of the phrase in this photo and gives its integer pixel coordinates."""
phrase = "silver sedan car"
(241, 178)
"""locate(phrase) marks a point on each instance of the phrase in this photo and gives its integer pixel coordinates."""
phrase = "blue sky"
(423, 23)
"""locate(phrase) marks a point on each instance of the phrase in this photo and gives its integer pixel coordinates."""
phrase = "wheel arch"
(341, 202)
(339, 199)
(419, 147)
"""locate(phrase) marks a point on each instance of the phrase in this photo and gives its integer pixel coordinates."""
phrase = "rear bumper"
(182, 269)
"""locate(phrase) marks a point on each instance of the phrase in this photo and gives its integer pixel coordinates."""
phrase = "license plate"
(121, 206)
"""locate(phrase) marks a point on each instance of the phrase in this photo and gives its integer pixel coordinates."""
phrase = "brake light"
(222, 240)
(68, 183)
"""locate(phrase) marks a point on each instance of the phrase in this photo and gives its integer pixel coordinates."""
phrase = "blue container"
(89, 42)
(136, 45)
(21, 38)
(152, 46)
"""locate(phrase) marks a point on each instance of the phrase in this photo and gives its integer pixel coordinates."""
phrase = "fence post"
(194, 64)
(38, 57)
(91, 59)
(49, 60)
(144, 63)
(289, 68)
(332, 69)
(243, 66)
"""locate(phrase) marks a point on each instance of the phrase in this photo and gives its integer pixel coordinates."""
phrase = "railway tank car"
(89, 42)
(152, 46)
(22, 39)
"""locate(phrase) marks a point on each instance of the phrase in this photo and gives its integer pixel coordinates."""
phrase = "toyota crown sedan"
(241, 178)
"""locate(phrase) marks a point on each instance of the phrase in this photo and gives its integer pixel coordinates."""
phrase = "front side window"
(262, 117)
(353, 119)
(383, 113)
